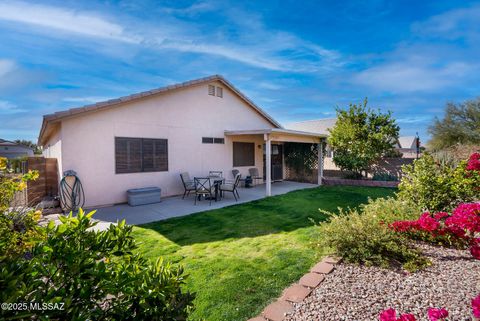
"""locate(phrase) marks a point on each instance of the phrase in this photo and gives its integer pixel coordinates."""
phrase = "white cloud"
(7, 108)
(411, 77)
(195, 8)
(253, 43)
(65, 20)
(453, 24)
(86, 99)
(6, 66)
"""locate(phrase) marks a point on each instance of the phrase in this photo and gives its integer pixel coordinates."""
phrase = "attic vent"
(220, 92)
(211, 90)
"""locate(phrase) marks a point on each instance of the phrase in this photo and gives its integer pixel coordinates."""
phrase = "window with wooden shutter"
(243, 154)
(220, 92)
(133, 155)
(211, 90)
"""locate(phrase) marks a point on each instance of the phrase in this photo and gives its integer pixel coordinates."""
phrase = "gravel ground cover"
(358, 293)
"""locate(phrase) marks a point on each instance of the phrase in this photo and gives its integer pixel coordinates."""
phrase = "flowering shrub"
(476, 306)
(474, 162)
(433, 315)
(460, 228)
(437, 314)
(437, 186)
(363, 236)
(475, 248)
(391, 315)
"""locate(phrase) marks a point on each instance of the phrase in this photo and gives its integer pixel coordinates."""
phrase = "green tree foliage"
(460, 125)
(29, 143)
(361, 136)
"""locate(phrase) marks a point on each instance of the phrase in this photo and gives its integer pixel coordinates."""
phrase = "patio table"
(217, 181)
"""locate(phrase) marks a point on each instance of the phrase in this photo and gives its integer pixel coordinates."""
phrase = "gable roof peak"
(58, 116)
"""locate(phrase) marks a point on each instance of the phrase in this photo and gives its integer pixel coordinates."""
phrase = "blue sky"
(296, 59)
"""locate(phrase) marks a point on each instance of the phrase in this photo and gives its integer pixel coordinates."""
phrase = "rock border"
(297, 292)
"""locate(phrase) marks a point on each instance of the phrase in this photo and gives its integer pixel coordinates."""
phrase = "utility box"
(143, 196)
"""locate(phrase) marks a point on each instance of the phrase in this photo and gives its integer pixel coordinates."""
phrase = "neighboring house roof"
(58, 116)
(7, 143)
(318, 126)
(11, 149)
(407, 142)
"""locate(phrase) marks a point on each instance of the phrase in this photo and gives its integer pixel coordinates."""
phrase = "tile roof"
(57, 116)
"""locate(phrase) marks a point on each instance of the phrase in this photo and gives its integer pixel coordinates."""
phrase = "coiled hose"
(72, 196)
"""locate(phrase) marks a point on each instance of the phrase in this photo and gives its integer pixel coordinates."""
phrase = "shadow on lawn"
(283, 213)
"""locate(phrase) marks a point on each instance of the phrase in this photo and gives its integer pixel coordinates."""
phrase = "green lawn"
(241, 257)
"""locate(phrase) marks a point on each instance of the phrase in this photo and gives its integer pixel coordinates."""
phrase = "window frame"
(143, 156)
(211, 90)
(219, 92)
(236, 161)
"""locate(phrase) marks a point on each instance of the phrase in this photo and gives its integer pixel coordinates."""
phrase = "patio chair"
(235, 172)
(254, 174)
(215, 174)
(203, 187)
(232, 187)
(188, 184)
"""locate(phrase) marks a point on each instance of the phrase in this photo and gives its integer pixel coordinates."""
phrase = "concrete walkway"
(176, 206)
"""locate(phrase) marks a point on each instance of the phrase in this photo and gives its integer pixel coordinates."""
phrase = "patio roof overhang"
(280, 135)
(283, 135)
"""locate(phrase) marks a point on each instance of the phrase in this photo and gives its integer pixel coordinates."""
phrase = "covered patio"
(275, 137)
(176, 206)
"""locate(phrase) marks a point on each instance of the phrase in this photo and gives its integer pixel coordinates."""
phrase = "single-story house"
(13, 150)
(407, 145)
(149, 138)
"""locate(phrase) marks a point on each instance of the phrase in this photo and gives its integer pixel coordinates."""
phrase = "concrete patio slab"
(176, 206)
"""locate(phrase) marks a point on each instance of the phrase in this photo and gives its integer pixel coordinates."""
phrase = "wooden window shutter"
(128, 155)
(243, 154)
(211, 90)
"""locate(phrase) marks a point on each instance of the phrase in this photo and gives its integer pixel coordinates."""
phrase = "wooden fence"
(47, 182)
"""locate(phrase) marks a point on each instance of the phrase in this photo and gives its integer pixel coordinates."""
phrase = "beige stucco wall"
(53, 149)
(183, 117)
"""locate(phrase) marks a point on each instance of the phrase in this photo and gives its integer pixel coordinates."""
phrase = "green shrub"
(362, 236)
(18, 226)
(95, 274)
(436, 186)
(384, 177)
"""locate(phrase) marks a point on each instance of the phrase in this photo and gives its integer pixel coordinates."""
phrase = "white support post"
(320, 163)
(268, 165)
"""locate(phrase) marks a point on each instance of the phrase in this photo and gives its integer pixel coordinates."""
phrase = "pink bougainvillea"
(460, 227)
(466, 216)
(476, 306)
(474, 162)
(391, 315)
(407, 317)
(437, 314)
(475, 248)
(388, 315)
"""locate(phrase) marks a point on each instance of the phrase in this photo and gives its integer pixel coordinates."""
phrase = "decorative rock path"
(296, 293)
(358, 293)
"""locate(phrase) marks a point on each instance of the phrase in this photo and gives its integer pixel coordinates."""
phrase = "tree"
(361, 137)
(460, 125)
(28, 143)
